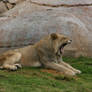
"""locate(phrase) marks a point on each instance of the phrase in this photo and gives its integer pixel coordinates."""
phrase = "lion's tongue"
(62, 50)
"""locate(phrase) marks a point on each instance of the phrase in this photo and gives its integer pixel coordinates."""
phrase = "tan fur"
(45, 53)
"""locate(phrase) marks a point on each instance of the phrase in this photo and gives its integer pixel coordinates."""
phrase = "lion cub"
(47, 52)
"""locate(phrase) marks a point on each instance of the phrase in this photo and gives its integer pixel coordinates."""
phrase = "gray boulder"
(31, 20)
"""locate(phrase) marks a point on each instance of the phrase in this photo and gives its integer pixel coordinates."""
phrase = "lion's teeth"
(69, 41)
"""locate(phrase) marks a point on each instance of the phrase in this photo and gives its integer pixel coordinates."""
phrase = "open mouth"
(62, 48)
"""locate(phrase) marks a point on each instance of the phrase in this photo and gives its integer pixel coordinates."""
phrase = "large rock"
(29, 21)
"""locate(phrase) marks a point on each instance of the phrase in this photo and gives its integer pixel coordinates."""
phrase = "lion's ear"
(54, 36)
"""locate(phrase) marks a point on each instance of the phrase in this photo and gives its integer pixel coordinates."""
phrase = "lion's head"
(53, 44)
(59, 41)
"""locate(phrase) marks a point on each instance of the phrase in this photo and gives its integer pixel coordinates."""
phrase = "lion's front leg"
(70, 67)
(60, 68)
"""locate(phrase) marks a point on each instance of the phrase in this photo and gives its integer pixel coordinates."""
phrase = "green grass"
(35, 80)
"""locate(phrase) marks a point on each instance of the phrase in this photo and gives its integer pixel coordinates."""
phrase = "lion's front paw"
(70, 73)
(78, 72)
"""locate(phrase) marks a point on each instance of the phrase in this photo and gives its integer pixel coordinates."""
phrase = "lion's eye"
(64, 38)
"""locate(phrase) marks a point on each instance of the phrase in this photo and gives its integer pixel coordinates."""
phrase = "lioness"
(47, 52)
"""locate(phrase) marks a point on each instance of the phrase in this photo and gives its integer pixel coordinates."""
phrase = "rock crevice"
(61, 5)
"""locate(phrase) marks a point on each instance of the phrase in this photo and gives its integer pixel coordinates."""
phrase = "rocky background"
(29, 20)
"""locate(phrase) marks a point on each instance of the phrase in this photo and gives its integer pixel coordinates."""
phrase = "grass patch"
(42, 80)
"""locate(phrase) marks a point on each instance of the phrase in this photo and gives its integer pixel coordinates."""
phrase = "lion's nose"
(69, 41)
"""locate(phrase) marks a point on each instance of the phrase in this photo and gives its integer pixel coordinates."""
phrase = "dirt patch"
(60, 75)
(51, 71)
